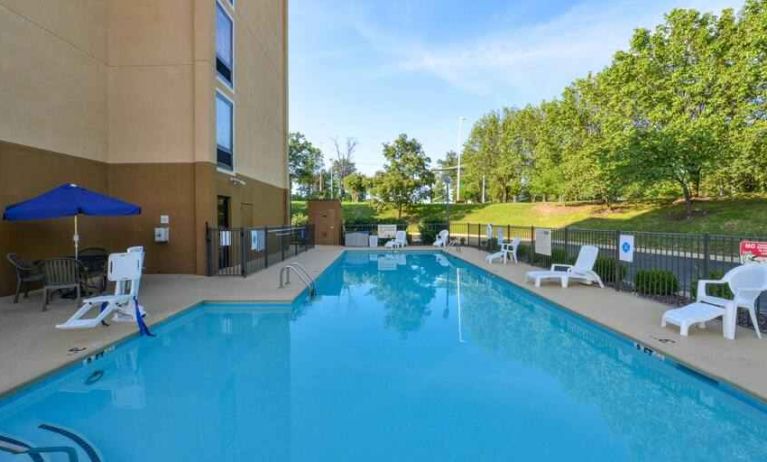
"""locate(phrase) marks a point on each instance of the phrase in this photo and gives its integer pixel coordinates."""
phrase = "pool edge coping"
(79, 357)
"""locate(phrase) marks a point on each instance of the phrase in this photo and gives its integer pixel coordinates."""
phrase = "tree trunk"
(687, 201)
(399, 212)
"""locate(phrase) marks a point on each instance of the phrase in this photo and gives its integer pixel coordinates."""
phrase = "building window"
(224, 132)
(224, 45)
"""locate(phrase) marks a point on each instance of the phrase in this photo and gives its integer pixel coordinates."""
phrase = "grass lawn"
(730, 216)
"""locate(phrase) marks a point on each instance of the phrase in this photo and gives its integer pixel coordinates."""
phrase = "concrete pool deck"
(30, 346)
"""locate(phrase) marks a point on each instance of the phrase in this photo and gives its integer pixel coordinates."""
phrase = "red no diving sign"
(753, 252)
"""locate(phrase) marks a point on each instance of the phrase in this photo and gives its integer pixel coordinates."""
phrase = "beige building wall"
(260, 90)
(53, 75)
(119, 96)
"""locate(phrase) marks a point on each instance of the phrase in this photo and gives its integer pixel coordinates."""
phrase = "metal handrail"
(303, 274)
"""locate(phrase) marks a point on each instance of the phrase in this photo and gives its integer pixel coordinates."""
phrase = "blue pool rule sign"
(626, 247)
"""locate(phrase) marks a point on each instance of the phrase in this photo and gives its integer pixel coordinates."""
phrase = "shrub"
(605, 268)
(715, 290)
(492, 244)
(299, 219)
(429, 230)
(560, 256)
(656, 282)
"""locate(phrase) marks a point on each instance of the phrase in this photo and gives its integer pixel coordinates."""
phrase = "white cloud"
(535, 61)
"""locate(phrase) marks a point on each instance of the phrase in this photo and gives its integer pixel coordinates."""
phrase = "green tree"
(406, 178)
(304, 164)
(356, 184)
(446, 167)
(669, 81)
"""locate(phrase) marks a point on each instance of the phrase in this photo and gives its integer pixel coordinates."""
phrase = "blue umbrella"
(69, 200)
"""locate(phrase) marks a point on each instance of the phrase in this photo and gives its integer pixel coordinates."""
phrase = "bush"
(299, 219)
(715, 290)
(605, 268)
(656, 282)
(429, 230)
(560, 256)
(492, 244)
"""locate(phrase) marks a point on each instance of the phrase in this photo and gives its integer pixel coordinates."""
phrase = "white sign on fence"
(543, 241)
(387, 231)
(257, 240)
(226, 238)
(626, 247)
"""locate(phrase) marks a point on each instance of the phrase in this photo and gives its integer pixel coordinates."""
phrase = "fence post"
(531, 254)
(209, 248)
(266, 247)
(705, 257)
(617, 268)
(243, 254)
(282, 244)
(567, 244)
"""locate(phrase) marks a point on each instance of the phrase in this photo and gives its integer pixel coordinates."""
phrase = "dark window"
(224, 45)
(224, 132)
(223, 212)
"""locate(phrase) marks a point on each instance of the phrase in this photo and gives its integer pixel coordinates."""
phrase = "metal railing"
(244, 251)
(302, 273)
(665, 266)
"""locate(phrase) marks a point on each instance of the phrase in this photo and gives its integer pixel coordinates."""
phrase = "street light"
(458, 150)
(446, 179)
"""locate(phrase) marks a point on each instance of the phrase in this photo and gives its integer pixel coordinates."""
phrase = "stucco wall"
(53, 75)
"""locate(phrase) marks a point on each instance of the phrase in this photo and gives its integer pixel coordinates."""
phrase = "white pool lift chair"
(582, 270)
(442, 238)
(746, 282)
(124, 269)
(508, 251)
(400, 241)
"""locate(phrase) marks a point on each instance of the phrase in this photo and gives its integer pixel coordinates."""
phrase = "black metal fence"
(665, 266)
(244, 251)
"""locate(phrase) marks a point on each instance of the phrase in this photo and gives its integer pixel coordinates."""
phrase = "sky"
(372, 69)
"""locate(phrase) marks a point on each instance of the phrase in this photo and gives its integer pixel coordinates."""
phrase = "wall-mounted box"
(162, 234)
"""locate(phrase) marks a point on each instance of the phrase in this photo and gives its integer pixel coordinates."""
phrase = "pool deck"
(30, 346)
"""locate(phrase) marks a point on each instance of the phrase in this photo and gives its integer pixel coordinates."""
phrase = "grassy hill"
(731, 216)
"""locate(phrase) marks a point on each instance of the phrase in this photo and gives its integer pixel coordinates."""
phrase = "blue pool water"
(402, 357)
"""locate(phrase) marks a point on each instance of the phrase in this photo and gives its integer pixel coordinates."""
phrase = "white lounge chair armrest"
(702, 283)
(561, 265)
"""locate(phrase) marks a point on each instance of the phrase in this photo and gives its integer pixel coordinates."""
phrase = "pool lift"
(302, 273)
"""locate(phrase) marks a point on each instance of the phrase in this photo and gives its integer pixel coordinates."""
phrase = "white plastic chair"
(582, 270)
(442, 238)
(508, 251)
(400, 240)
(124, 269)
(746, 282)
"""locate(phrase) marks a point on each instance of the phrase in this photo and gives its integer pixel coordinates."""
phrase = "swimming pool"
(405, 356)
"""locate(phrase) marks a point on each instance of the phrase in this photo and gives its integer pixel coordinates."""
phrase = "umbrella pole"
(76, 239)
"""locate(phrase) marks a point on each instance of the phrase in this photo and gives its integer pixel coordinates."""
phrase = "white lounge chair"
(582, 270)
(442, 238)
(507, 251)
(746, 282)
(400, 240)
(125, 271)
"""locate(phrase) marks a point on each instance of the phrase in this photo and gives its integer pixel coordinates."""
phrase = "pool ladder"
(302, 273)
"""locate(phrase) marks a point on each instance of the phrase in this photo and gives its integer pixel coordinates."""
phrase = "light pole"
(459, 151)
(447, 181)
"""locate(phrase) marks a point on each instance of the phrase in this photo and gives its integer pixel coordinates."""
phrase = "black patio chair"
(26, 274)
(61, 274)
(94, 260)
